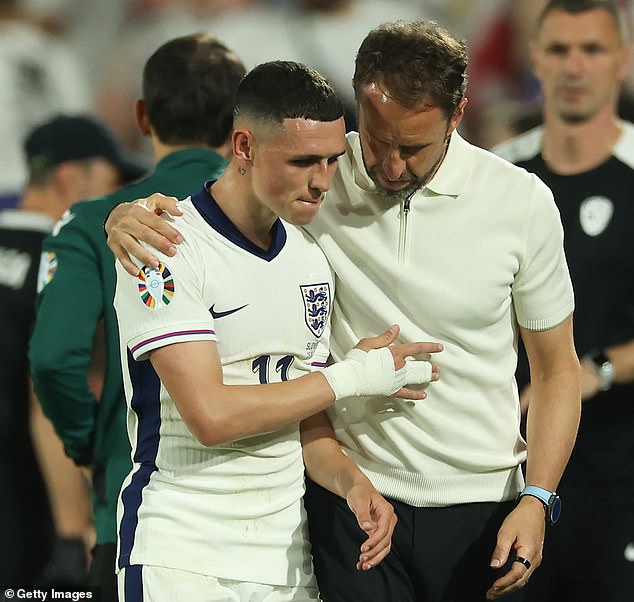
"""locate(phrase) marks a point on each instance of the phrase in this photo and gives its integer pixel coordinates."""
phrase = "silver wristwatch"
(602, 367)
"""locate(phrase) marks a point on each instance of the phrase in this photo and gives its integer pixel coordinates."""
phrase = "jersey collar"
(215, 217)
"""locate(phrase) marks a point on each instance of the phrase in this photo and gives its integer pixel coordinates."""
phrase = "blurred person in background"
(506, 99)
(500, 68)
(87, 28)
(148, 24)
(39, 77)
(581, 54)
(69, 158)
(189, 86)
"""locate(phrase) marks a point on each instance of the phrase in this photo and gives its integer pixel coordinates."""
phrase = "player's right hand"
(143, 220)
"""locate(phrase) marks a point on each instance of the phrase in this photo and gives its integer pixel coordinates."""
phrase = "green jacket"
(69, 309)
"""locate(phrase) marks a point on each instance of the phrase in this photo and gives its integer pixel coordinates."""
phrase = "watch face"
(555, 508)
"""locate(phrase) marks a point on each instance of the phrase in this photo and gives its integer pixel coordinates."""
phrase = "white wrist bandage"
(363, 373)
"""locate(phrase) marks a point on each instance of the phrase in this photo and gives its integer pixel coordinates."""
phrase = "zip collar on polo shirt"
(449, 180)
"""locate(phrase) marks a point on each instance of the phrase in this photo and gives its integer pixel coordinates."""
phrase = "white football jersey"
(235, 510)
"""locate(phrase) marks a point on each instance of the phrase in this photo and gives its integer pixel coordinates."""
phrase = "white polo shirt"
(480, 249)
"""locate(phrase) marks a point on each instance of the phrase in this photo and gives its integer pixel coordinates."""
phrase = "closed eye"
(408, 151)
(312, 160)
(303, 162)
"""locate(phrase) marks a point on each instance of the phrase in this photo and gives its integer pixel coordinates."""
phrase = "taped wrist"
(369, 373)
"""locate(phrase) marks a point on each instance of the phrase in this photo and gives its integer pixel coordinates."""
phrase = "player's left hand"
(402, 353)
(376, 517)
(521, 535)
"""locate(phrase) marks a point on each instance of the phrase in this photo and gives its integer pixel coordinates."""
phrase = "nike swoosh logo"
(629, 552)
(221, 314)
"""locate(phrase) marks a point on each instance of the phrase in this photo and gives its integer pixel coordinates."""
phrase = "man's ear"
(626, 62)
(141, 117)
(533, 58)
(242, 141)
(66, 179)
(456, 118)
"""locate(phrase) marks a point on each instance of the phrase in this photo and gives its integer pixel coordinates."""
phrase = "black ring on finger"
(523, 561)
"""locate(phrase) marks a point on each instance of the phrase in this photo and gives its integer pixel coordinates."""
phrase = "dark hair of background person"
(418, 62)
(287, 90)
(582, 6)
(187, 78)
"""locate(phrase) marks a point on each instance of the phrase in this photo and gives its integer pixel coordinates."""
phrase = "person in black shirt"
(585, 154)
(70, 158)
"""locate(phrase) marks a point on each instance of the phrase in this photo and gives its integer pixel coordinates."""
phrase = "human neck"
(572, 148)
(160, 149)
(234, 195)
(36, 200)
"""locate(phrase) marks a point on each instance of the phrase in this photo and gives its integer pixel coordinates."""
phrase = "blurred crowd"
(71, 55)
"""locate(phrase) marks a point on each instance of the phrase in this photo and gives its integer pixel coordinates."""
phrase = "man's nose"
(393, 164)
(321, 177)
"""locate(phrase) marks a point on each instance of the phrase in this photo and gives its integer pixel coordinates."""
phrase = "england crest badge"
(156, 286)
(317, 303)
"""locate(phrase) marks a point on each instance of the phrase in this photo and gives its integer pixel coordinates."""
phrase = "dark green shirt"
(69, 309)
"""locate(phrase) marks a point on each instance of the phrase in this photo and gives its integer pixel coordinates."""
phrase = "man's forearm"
(69, 404)
(553, 420)
(325, 463)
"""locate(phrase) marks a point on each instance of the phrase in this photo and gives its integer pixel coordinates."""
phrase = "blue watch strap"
(539, 492)
(549, 499)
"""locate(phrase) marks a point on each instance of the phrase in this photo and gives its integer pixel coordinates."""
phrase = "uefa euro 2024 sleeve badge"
(47, 269)
(316, 299)
(156, 286)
